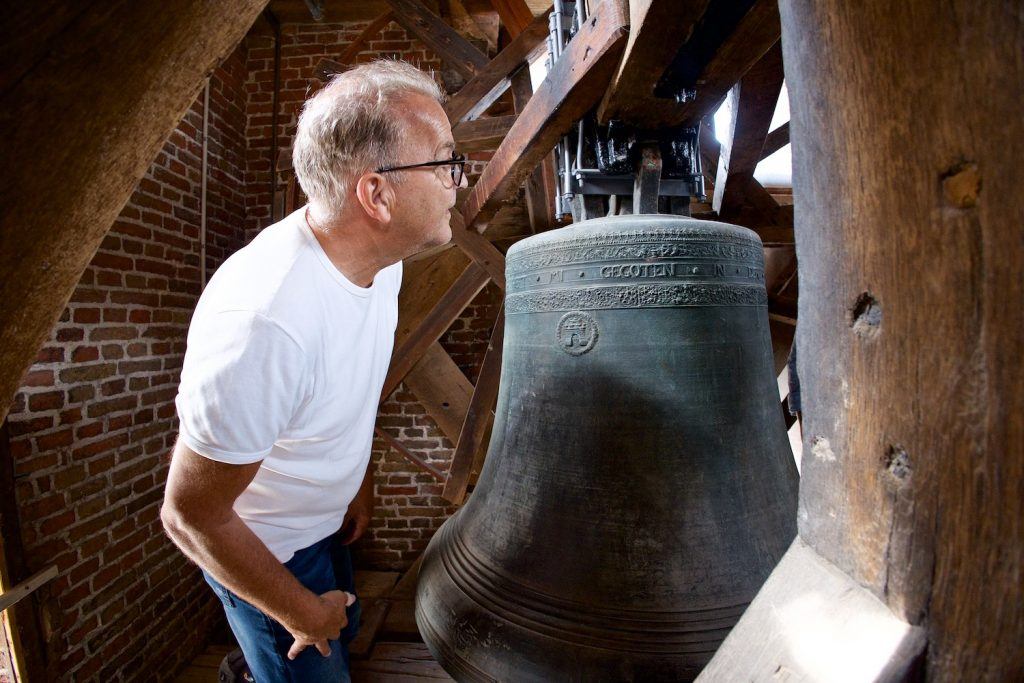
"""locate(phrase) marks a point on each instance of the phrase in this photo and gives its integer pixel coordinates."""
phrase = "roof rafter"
(448, 43)
(492, 81)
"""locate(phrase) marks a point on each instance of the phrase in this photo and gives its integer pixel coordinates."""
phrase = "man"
(287, 353)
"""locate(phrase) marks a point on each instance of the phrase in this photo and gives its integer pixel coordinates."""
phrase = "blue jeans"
(324, 566)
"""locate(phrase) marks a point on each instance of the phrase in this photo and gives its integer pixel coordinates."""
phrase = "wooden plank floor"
(388, 648)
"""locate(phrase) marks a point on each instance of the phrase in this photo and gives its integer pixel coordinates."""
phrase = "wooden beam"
(753, 102)
(490, 83)
(423, 286)
(755, 34)
(471, 437)
(540, 187)
(399, 448)
(451, 47)
(811, 622)
(24, 628)
(326, 68)
(573, 86)
(133, 68)
(10, 597)
(657, 29)
(482, 134)
(329, 67)
(710, 150)
(442, 389)
(434, 324)
(515, 15)
(775, 140)
(480, 249)
(469, 25)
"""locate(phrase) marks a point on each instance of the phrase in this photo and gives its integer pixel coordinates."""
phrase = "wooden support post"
(83, 120)
(572, 87)
(911, 327)
(540, 187)
(647, 185)
(458, 52)
(478, 417)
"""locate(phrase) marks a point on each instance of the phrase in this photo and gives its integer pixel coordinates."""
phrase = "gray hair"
(351, 126)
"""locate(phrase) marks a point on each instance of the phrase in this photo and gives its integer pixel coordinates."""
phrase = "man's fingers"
(354, 528)
(346, 532)
(349, 599)
(322, 646)
(295, 649)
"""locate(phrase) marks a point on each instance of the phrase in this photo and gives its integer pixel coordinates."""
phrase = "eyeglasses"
(456, 162)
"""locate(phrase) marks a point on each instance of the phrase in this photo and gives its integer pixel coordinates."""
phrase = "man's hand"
(360, 510)
(325, 623)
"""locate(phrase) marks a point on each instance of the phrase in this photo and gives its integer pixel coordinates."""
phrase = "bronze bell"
(639, 486)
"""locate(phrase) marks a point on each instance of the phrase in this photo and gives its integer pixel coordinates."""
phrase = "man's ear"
(376, 197)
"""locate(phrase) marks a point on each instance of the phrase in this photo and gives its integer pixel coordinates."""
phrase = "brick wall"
(94, 419)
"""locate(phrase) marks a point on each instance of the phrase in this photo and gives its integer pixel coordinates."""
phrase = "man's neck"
(351, 245)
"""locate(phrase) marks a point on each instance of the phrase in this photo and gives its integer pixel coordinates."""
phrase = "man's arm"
(360, 510)
(198, 516)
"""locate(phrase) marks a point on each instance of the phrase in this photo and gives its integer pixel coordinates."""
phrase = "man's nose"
(463, 181)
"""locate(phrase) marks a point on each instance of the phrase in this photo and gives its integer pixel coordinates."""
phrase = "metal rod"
(202, 185)
(273, 114)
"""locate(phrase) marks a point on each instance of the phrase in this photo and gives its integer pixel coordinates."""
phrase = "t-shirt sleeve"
(243, 379)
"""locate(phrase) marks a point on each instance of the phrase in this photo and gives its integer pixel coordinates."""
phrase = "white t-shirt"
(285, 363)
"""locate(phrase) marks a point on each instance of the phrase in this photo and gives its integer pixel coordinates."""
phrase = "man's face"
(425, 199)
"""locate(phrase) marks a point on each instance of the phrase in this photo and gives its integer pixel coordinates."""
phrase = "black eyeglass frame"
(457, 163)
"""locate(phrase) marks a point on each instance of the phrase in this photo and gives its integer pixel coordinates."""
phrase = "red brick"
(50, 400)
(50, 354)
(43, 506)
(109, 333)
(84, 354)
(111, 261)
(70, 334)
(20, 427)
(101, 408)
(55, 440)
(38, 378)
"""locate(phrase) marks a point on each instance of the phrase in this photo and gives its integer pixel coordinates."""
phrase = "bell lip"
(635, 223)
